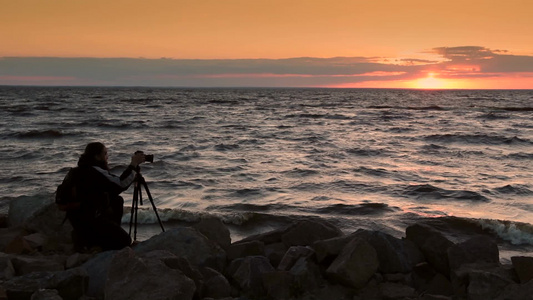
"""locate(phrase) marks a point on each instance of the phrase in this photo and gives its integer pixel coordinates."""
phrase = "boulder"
(305, 233)
(391, 290)
(215, 286)
(433, 244)
(393, 253)
(7, 270)
(131, 277)
(45, 294)
(188, 243)
(28, 264)
(96, 269)
(24, 207)
(355, 265)
(292, 255)
(215, 230)
(252, 248)
(479, 249)
(8, 235)
(307, 275)
(249, 275)
(523, 266)
(517, 292)
(70, 284)
(275, 252)
(278, 284)
(330, 248)
(486, 285)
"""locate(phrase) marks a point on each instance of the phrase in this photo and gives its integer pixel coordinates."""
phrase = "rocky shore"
(310, 259)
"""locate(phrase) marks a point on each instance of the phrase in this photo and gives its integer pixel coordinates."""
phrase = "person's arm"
(121, 183)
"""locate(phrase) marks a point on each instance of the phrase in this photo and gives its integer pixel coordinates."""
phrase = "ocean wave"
(224, 147)
(36, 134)
(514, 189)
(514, 232)
(520, 156)
(428, 191)
(476, 139)
(358, 209)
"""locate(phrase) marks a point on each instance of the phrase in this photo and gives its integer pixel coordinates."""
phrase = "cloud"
(458, 62)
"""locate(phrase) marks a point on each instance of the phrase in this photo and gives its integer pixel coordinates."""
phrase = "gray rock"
(215, 284)
(278, 284)
(215, 230)
(250, 272)
(292, 255)
(131, 277)
(97, 268)
(393, 253)
(355, 265)
(188, 243)
(46, 295)
(22, 208)
(433, 244)
(307, 275)
(305, 233)
(517, 292)
(28, 264)
(275, 252)
(479, 249)
(239, 250)
(524, 267)
(331, 247)
(390, 290)
(7, 271)
(485, 285)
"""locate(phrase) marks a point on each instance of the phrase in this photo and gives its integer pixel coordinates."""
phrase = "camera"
(147, 157)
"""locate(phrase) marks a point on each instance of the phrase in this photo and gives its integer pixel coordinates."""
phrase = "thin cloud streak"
(456, 62)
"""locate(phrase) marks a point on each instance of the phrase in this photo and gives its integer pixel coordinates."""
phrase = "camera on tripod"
(147, 157)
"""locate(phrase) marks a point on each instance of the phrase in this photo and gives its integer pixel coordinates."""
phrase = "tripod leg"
(133, 205)
(153, 205)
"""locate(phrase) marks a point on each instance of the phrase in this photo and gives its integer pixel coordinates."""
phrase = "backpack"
(66, 192)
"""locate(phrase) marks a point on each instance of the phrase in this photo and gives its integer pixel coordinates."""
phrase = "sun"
(431, 82)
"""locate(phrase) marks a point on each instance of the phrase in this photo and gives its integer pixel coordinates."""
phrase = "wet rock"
(332, 247)
(292, 255)
(355, 265)
(278, 284)
(28, 264)
(215, 230)
(305, 233)
(433, 244)
(45, 294)
(252, 248)
(275, 252)
(96, 269)
(250, 272)
(131, 277)
(215, 284)
(307, 275)
(479, 249)
(485, 285)
(393, 253)
(189, 243)
(524, 267)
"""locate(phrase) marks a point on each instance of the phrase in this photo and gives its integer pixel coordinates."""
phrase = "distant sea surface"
(259, 159)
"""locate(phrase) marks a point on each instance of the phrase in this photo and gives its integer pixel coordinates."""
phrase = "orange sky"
(391, 32)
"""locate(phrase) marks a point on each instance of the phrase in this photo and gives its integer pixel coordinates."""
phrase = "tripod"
(137, 197)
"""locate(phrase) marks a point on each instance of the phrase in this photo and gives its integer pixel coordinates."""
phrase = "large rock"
(330, 248)
(215, 230)
(131, 277)
(479, 249)
(188, 243)
(524, 267)
(24, 207)
(239, 250)
(215, 286)
(486, 285)
(305, 233)
(97, 268)
(250, 272)
(292, 255)
(433, 244)
(70, 284)
(307, 275)
(517, 292)
(278, 284)
(355, 265)
(7, 270)
(393, 253)
(28, 264)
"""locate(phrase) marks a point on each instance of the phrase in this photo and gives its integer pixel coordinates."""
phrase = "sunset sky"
(271, 43)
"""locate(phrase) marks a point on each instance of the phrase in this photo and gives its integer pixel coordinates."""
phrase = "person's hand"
(137, 159)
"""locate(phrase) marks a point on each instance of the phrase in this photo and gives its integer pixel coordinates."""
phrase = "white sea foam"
(515, 233)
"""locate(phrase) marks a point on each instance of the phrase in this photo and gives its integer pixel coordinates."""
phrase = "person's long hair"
(88, 158)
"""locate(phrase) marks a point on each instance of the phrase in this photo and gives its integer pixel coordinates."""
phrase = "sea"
(260, 159)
